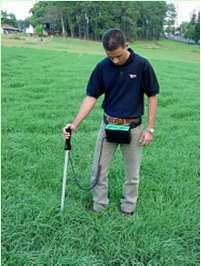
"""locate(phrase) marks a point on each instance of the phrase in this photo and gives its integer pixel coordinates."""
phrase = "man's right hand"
(67, 134)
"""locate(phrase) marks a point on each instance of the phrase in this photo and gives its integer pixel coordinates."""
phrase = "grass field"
(42, 87)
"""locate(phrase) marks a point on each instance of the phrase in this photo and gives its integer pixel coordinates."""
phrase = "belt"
(133, 122)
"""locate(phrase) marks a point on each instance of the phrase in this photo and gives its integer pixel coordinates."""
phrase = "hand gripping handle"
(67, 146)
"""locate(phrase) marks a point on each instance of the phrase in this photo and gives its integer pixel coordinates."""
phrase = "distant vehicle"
(179, 38)
(7, 29)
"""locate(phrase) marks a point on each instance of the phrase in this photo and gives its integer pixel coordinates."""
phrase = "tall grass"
(41, 91)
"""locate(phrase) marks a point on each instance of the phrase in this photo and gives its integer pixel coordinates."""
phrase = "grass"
(41, 91)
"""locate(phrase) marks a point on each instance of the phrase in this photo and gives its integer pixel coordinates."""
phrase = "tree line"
(191, 30)
(88, 20)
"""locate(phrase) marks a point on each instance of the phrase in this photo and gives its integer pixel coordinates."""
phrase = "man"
(123, 77)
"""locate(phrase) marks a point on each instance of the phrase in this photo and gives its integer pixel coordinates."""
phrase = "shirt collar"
(129, 60)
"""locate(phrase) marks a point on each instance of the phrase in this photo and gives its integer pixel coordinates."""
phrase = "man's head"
(115, 45)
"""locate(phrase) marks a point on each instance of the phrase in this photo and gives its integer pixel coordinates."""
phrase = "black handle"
(67, 146)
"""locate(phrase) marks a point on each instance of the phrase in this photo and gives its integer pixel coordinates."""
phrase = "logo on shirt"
(132, 76)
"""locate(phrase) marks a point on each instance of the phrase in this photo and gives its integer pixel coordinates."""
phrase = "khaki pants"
(131, 155)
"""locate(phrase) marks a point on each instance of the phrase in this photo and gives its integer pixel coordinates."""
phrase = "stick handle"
(67, 146)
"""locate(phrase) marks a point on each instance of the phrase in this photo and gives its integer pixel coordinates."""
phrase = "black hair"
(113, 39)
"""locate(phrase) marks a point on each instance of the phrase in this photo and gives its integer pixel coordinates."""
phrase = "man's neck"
(128, 54)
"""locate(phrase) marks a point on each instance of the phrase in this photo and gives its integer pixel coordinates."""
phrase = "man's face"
(118, 56)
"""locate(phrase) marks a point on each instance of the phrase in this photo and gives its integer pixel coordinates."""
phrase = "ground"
(43, 84)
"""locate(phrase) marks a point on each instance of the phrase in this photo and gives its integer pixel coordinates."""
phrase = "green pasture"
(43, 84)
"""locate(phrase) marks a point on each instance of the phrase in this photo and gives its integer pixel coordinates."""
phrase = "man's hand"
(145, 138)
(67, 134)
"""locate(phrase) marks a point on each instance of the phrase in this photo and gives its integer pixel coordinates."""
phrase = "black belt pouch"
(118, 133)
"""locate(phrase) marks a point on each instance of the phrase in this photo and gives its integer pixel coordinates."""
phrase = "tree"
(183, 28)
(191, 30)
(89, 19)
(38, 13)
(56, 12)
(151, 19)
(23, 24)
(170, 19)
(9, 19)
(39, 31)
(197, 29)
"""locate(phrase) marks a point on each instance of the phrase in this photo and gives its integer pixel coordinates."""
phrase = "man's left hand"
(145, 138)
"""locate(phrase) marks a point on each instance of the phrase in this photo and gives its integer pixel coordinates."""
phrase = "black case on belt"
(118, 133)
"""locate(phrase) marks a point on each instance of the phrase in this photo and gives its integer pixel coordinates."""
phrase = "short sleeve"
(95, 85)
(150, 83)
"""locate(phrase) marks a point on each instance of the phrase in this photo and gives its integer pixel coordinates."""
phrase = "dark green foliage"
(39, 30)
(23, 24)
(8, 18)
(191, 30)
(88, 20)
(170, 18)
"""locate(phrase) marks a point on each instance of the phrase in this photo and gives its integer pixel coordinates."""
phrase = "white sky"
(185, 9)
(21, 8)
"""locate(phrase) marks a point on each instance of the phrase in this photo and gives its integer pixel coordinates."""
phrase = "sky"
(21, 8)
(185, 9)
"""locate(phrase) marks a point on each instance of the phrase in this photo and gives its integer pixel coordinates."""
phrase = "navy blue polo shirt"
(123, 86)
